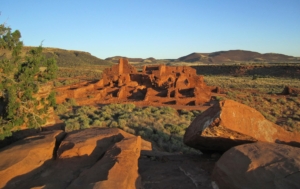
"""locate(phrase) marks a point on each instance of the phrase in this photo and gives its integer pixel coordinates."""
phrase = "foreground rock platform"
(90, 158)
(99, 158)
(22, 158)
(258, 165)
(229, 124)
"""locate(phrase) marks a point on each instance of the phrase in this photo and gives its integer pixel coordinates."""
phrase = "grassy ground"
(69, 75)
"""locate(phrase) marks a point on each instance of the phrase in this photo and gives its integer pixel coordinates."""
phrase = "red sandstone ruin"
(162, 84)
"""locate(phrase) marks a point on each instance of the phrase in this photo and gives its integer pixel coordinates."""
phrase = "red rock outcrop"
(24, 156)
(230, 123)
(258, 165)
(155, 84)
(90, 158)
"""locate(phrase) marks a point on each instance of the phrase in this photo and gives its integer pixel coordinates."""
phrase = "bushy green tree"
(20, 78)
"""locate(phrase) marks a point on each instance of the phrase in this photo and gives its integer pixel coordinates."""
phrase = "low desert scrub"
(87, 72)
(265, 85)
(162, 125)
(59, 83)
(65, 107)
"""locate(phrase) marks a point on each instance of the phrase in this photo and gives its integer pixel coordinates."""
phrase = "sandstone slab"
(25, 156)
(230, 123)
(81, 153)
(117, 169)
(258, 165)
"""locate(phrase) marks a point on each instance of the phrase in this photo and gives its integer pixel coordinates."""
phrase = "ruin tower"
(121, 65)
(162, 69)
(124, 67)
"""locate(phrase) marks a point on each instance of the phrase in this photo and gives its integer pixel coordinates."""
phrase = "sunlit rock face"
(229, 124)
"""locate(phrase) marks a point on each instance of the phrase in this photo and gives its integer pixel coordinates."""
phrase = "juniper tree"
(21, 76)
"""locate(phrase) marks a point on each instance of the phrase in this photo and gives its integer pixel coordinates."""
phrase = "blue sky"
(157, 28)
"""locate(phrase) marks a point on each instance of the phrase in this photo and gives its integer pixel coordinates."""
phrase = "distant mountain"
(237, 56)
(115, 59)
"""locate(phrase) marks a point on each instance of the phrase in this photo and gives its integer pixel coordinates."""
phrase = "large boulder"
(229, 124)
(258, 165)
(25, 156)
(290, 91)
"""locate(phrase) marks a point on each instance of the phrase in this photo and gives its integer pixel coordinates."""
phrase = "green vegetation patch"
(162, 125)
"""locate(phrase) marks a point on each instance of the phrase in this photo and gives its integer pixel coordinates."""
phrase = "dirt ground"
(160, 170)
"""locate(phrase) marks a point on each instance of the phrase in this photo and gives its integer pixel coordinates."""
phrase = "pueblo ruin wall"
(162, 84)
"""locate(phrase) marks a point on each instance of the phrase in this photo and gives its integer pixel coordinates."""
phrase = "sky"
(157, 28)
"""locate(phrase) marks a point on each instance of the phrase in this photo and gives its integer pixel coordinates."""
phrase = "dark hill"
(236, 56)
(73, 58)
(64, 58)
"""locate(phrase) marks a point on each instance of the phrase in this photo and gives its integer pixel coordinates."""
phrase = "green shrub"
(114, 124)
(254, 77)
(72, 125)
(282, 100)
(97, 123)
(71, 102)
(220, 98)
(174, 129)
(122, 123)
(129, 130)
(61, 109)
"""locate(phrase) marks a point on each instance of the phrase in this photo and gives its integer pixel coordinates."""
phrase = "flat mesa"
(159, 84)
